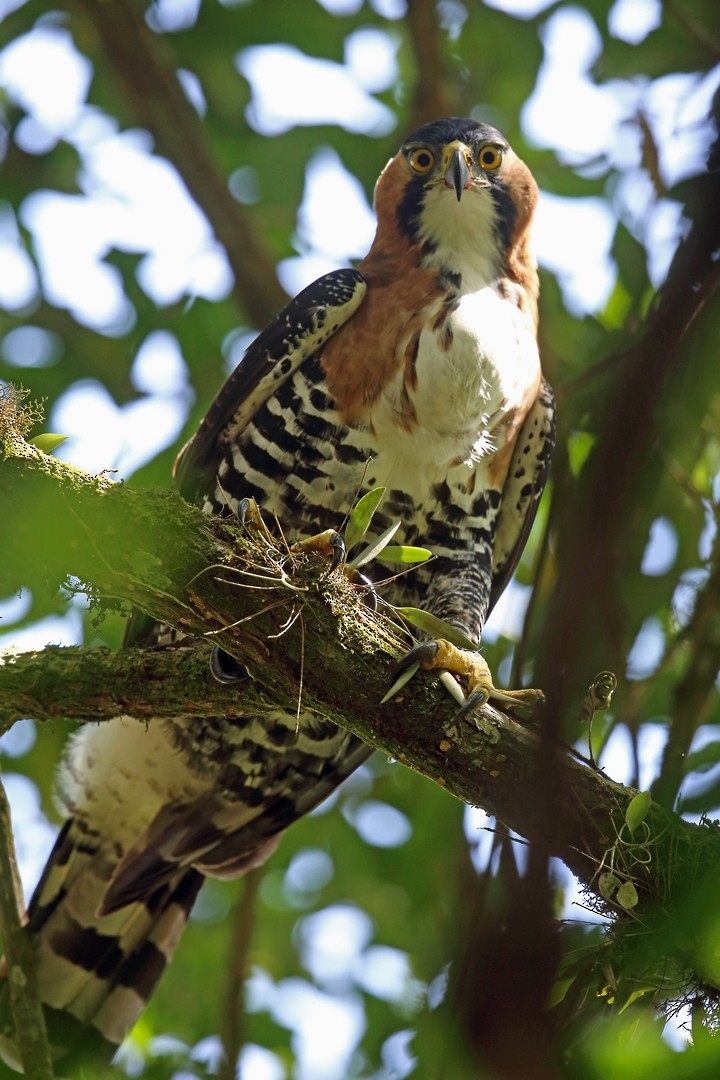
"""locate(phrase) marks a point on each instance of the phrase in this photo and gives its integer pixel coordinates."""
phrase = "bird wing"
(296, 334)
(219, 836)
(522, 490)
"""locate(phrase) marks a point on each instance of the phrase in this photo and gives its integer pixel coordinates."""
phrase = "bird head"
(458, 191)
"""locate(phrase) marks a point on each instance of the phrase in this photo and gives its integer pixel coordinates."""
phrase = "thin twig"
(145, 68)
(431, 95)
(233, 1033)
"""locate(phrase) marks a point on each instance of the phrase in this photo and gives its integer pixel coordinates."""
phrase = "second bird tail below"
(96, 973)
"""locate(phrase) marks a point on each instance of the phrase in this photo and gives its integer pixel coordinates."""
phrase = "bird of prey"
(419, 372)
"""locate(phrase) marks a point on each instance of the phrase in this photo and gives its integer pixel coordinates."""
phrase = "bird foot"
(332, 545)
(329, 543)
(472, 669)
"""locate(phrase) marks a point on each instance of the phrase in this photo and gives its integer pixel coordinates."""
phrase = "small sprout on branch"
(637, 811)
(380, 548)
(361, 516)
(48, 441)
(627, 896)
(597, 699)
(436, 628)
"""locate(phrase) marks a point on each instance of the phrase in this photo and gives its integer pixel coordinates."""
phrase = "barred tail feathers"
(100, 970)
(152, 808)
(96, 972)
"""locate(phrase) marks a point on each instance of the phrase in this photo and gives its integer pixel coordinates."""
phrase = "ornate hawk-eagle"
(418, 371)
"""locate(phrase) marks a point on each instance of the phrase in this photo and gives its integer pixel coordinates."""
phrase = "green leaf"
(627, 896)
(703, 759)
(405, 677)
(373, 550)
(579, 445)
(637, 810)
(404, 553)
(47, 442)
(636, 995)
(558, 991)
(361, 516)
(608, 883)
(436, 628)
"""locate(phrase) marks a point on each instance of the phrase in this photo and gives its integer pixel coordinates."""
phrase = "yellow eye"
(490, 157)
(422, 160)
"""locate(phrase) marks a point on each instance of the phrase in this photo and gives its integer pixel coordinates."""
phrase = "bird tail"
(95, 973)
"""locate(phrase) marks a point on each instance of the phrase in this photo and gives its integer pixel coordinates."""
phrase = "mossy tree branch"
(162, 555)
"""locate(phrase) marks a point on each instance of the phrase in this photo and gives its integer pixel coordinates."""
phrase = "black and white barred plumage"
(418, 372)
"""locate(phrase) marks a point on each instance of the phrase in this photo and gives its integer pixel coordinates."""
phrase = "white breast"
(462, 393)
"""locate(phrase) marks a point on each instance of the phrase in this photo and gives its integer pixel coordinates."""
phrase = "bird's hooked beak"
(456, 167)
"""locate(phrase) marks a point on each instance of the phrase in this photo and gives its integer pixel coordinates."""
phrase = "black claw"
(339, 551)
(225, 668)
(419, 654)
(242, 508)
(473, 701)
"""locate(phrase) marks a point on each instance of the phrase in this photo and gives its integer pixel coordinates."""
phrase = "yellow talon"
(328, 543)
(473, 670)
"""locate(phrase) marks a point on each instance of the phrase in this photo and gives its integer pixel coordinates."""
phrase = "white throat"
(463, 235)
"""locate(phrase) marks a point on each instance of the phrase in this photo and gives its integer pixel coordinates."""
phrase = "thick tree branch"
(167, 558)
(598, 519)
(431, 93)
(486, 762)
